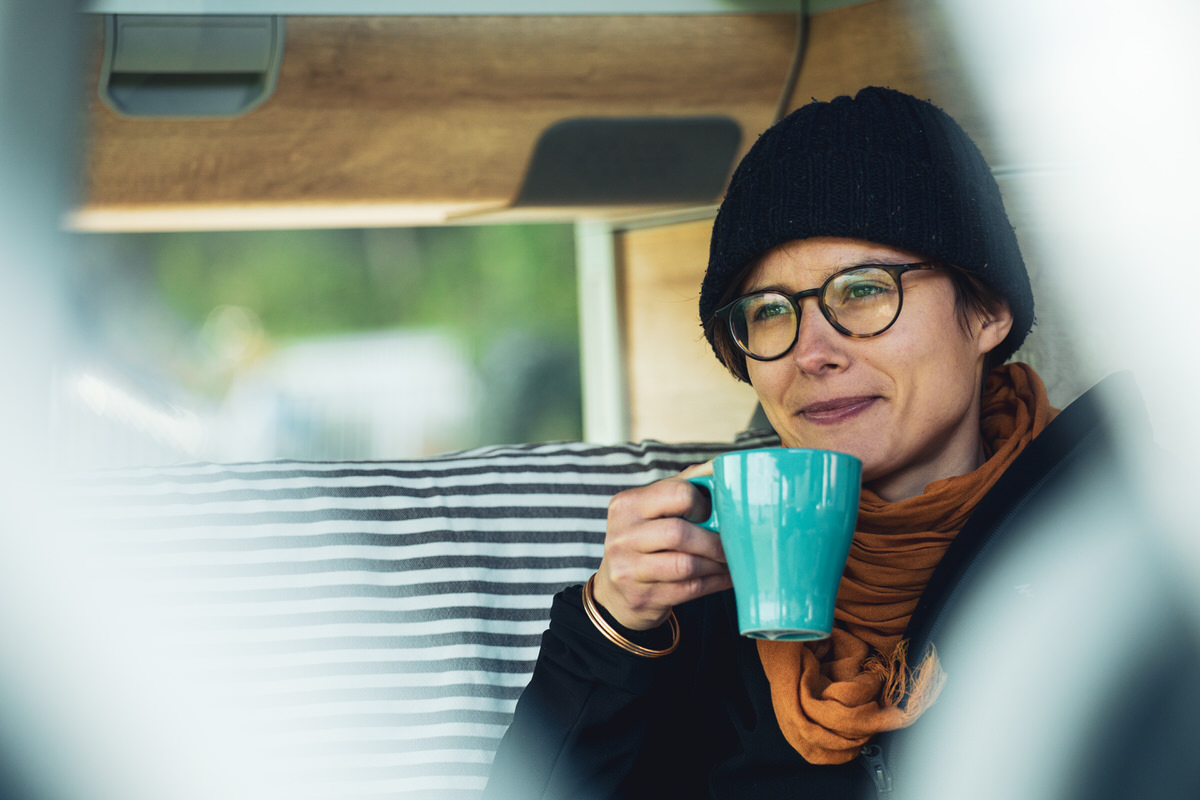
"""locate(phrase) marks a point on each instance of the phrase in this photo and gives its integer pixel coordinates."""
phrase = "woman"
(643, 687)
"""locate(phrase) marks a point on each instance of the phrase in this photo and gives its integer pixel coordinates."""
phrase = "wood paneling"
(435, 110)
(678, 391)
(420, 119)
(903, 44)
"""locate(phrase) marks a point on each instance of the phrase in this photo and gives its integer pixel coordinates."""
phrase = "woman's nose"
(819, 347)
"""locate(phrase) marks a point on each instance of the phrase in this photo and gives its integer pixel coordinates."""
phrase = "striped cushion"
(377, 620)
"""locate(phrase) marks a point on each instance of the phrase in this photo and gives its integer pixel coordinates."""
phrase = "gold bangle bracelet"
(593, 611)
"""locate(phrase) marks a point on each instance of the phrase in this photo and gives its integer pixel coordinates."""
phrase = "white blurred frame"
(1096, 104)
(91, 709)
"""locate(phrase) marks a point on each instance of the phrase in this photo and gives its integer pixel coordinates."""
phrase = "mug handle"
(706, 482)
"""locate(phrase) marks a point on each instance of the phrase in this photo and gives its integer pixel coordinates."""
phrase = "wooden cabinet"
(395, 120)
(400, 120)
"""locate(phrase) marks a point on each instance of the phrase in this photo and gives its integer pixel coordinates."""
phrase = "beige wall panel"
(678, 391)
(902, 44)
(436, 109)
(874, 43)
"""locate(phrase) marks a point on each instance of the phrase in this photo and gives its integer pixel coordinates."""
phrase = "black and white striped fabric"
(379, 619)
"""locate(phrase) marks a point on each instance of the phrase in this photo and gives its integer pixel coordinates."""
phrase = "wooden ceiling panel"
(903, 44)
(420, 119)
(435, 110)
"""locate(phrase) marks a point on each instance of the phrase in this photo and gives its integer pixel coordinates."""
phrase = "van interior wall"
(678, 391)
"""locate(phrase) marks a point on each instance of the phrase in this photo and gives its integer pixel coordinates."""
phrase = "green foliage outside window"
(506, 294)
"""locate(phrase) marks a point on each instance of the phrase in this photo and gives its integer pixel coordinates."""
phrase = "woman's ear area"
(994, 327)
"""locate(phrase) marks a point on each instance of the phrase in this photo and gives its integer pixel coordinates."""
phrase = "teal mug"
(786, 519)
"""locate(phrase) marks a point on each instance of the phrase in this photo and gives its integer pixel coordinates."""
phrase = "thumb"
(697, 469)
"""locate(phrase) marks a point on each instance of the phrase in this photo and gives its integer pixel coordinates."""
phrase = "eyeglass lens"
(858, 302)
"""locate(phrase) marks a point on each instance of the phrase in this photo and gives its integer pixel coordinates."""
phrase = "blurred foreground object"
(1081, 643)
(90, 708)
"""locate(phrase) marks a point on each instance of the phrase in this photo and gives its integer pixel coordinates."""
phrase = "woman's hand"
(655, 556)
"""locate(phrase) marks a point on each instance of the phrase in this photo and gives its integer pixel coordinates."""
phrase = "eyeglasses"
(859, 302)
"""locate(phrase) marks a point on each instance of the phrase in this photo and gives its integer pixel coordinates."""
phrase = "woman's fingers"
(668, 535)
(697, 469)
(667, 498)
(652, 601)
(699, 512)
(672, 567)
(654, 558)
(642, 603)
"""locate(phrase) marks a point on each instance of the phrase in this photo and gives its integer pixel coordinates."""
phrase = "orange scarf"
(831, 696)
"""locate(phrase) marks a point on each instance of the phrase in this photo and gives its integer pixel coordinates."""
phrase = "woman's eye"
(862, 290)
(769, 311)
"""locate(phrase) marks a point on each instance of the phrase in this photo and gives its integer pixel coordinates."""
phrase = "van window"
(377, 343)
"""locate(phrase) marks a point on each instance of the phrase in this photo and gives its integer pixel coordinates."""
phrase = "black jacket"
(598, 722)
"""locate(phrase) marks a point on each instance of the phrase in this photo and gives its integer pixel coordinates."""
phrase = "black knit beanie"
(882, 166)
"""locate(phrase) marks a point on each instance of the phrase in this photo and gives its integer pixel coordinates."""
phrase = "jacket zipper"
(876, 767)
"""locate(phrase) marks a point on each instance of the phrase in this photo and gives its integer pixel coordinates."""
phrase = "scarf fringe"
(911, 691)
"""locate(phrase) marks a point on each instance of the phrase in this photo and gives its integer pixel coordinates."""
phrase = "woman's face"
(906, 402)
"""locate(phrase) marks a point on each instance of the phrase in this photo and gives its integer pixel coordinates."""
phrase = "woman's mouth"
(830, 412)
